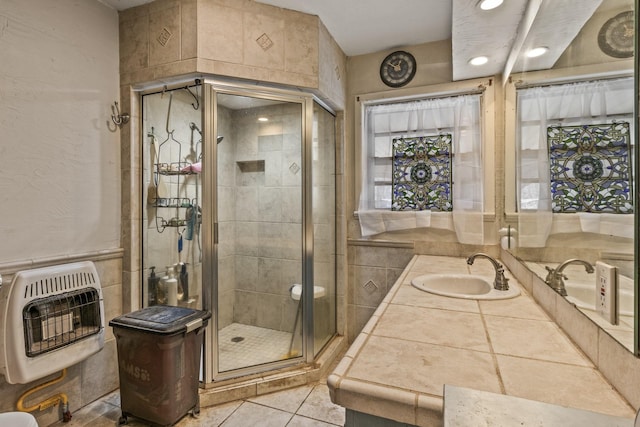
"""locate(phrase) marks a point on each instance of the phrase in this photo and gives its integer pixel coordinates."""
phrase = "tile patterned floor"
(304, 406)
(258, 345)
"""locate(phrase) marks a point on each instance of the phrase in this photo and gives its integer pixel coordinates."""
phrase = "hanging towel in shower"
(194, 168)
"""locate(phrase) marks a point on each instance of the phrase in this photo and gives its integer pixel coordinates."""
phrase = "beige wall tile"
(332, 70)
(544, 296)
(301, 45)
(620, 366)
(370, 286)
(134, 43)
(220, 32)
(579, 327)
(189, 28)
(100, 373)
(263, 41)
(165, 39)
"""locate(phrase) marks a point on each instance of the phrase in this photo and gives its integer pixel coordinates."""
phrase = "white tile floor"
(304, 406)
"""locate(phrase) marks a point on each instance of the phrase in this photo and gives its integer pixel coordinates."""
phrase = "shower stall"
(239, 218)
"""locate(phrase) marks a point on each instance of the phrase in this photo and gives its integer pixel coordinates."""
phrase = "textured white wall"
(59, 163)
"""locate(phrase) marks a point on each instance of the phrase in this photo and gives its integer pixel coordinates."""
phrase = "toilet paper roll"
(508, 242)
(172, 291)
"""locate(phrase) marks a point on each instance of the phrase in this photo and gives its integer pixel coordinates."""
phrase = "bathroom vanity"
(417, 342)
(465, 407)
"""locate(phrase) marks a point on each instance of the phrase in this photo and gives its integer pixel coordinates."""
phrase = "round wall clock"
(398, 68)
(615, 38)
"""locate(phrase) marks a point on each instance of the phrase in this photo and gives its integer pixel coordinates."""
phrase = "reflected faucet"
(555, 277)
(500, 283)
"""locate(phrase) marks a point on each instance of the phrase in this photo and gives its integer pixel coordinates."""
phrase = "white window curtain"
(458, 116)
(583, 103)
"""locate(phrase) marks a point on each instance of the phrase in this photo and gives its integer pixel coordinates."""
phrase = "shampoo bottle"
(170, 285)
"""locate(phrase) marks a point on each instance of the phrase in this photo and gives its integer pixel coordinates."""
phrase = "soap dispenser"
(183, 282)
(152, 287)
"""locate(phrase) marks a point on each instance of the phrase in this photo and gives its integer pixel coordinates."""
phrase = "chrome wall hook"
(117, 118)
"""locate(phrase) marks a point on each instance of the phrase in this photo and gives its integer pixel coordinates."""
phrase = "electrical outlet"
(606, 291)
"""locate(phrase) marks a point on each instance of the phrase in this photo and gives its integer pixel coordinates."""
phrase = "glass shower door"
(172, 198)
(323, 191)
(259, 179)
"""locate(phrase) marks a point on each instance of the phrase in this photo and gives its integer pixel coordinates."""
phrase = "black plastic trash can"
(159, 351)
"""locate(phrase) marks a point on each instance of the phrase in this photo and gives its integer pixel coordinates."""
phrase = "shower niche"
(239, 192)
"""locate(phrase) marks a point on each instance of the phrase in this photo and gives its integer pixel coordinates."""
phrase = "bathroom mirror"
(569, 171)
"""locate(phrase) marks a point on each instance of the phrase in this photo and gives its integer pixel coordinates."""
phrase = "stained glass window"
(590, 168)
(421, 175)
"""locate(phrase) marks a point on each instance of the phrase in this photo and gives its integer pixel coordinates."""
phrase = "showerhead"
(193, 126)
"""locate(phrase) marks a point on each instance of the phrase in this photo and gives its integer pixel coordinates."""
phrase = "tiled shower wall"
(260, 216)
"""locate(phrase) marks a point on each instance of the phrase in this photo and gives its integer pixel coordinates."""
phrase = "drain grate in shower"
(237, 339)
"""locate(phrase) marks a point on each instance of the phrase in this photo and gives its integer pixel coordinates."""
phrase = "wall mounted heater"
(52, 318)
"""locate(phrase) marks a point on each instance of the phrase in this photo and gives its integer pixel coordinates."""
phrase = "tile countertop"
(416, 342)
(464, 407)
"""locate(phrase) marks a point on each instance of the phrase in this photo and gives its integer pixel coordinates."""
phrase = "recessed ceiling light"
(479, 60)
(490, 4)
(537, 51)
(263, 119)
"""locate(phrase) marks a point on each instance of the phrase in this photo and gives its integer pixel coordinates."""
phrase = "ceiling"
(367, 26)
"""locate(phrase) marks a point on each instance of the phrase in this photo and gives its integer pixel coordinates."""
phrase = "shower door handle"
(215, 233)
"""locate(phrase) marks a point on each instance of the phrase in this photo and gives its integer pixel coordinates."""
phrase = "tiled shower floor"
(258, 345)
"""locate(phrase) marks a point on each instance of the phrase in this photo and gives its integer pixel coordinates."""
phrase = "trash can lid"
(163, 319)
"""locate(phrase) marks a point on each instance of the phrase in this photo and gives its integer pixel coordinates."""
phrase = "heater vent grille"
(58, 283)
(52, 318)
(59, 320)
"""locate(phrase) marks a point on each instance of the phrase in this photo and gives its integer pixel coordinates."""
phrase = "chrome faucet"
(500, 283)
(555, 277)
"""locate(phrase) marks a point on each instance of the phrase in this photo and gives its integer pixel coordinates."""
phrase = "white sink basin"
(464, 286)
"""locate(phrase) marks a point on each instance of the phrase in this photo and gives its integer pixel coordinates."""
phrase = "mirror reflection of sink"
(464, 286)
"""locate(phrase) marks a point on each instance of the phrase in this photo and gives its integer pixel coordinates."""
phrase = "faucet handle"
(501, 282)
(551, 272)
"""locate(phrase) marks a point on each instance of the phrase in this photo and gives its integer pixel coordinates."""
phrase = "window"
(424, 124)
(421, 177)
(574, 159)
(575, 147)
(422, 166)
(589, 168)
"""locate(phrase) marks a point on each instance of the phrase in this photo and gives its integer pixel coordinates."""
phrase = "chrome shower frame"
(211, 88)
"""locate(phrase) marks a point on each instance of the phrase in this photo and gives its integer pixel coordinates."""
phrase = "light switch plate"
(606, 292)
